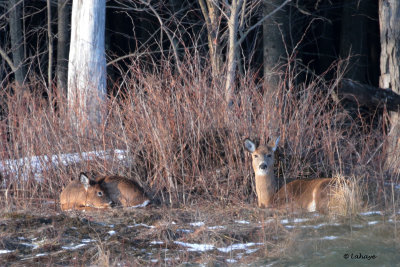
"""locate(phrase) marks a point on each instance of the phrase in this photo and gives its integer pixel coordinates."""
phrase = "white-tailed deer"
(84, 194)
(311, 195)
(123, 191)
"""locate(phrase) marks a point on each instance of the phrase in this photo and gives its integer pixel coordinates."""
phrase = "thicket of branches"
(180, 144)
(166, 109)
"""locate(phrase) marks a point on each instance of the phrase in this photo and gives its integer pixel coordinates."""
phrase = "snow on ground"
(73, 247)
(371, 213)
(197, 223)
(35, 165)
(4, 251)
(195, 247)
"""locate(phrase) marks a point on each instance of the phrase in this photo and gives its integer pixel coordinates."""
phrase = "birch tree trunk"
(50, 45)
(389, 17)
(87, 63)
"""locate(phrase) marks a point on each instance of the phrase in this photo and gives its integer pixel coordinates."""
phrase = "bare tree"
(389, 16)
(274, 51)
(17, 42)
(212, 15)
(50, 45)
(87, 63)
(62, 46)
(234, 42)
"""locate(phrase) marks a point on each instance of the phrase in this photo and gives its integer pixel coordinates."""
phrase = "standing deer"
(311, 195)
(84, 194)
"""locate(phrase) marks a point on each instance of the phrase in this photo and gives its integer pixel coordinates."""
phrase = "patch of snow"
(290, 226)
(251, 250)
(300, 220)
(111, 232)
(73, 247)
(144, 204)
(195, 247)
(331, 237)
(142, 224)
(156, 242)
(320, 225)
(372, 213)
(88, 240)
(230, 248)
(373, 222)
(216, 227)
(295, 220)
(35, 165)
(184, 230)
(33, 246)
(4, 251)
(314, 226)
(231, 260)
(41, 254)
(242, 222)
(197, 224)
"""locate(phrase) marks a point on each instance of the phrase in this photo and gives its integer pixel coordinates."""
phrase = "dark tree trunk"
(17, 43)
(62, 47)
(274, 51)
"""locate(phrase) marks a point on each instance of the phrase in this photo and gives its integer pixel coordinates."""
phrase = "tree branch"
(261, 21)
(8, 59)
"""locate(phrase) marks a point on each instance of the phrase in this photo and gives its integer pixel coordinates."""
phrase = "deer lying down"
(84, 194)
(310, 195)
(123, 191)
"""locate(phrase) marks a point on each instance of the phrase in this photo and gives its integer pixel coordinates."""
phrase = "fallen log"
(368, 96)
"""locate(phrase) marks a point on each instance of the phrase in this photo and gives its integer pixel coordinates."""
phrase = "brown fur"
(311, 195)
(123, 191)
(80, 195)
(300, 194)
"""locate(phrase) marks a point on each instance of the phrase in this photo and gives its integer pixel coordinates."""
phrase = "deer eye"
(255, 156)
(100, 194)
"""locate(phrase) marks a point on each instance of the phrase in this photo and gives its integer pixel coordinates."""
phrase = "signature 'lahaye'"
(311, 195)
(84, 193)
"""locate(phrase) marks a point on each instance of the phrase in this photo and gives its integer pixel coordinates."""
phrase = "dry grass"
(182, 144)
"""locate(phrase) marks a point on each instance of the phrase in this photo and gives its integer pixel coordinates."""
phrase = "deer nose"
(263, 166)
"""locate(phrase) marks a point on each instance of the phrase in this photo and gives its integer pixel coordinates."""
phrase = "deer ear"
(249, 145)
(84, 180)
(276, 143)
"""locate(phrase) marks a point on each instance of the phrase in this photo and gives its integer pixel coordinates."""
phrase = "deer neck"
(265, 187)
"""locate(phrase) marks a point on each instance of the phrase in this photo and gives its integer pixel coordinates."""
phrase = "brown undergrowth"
(177, 139)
